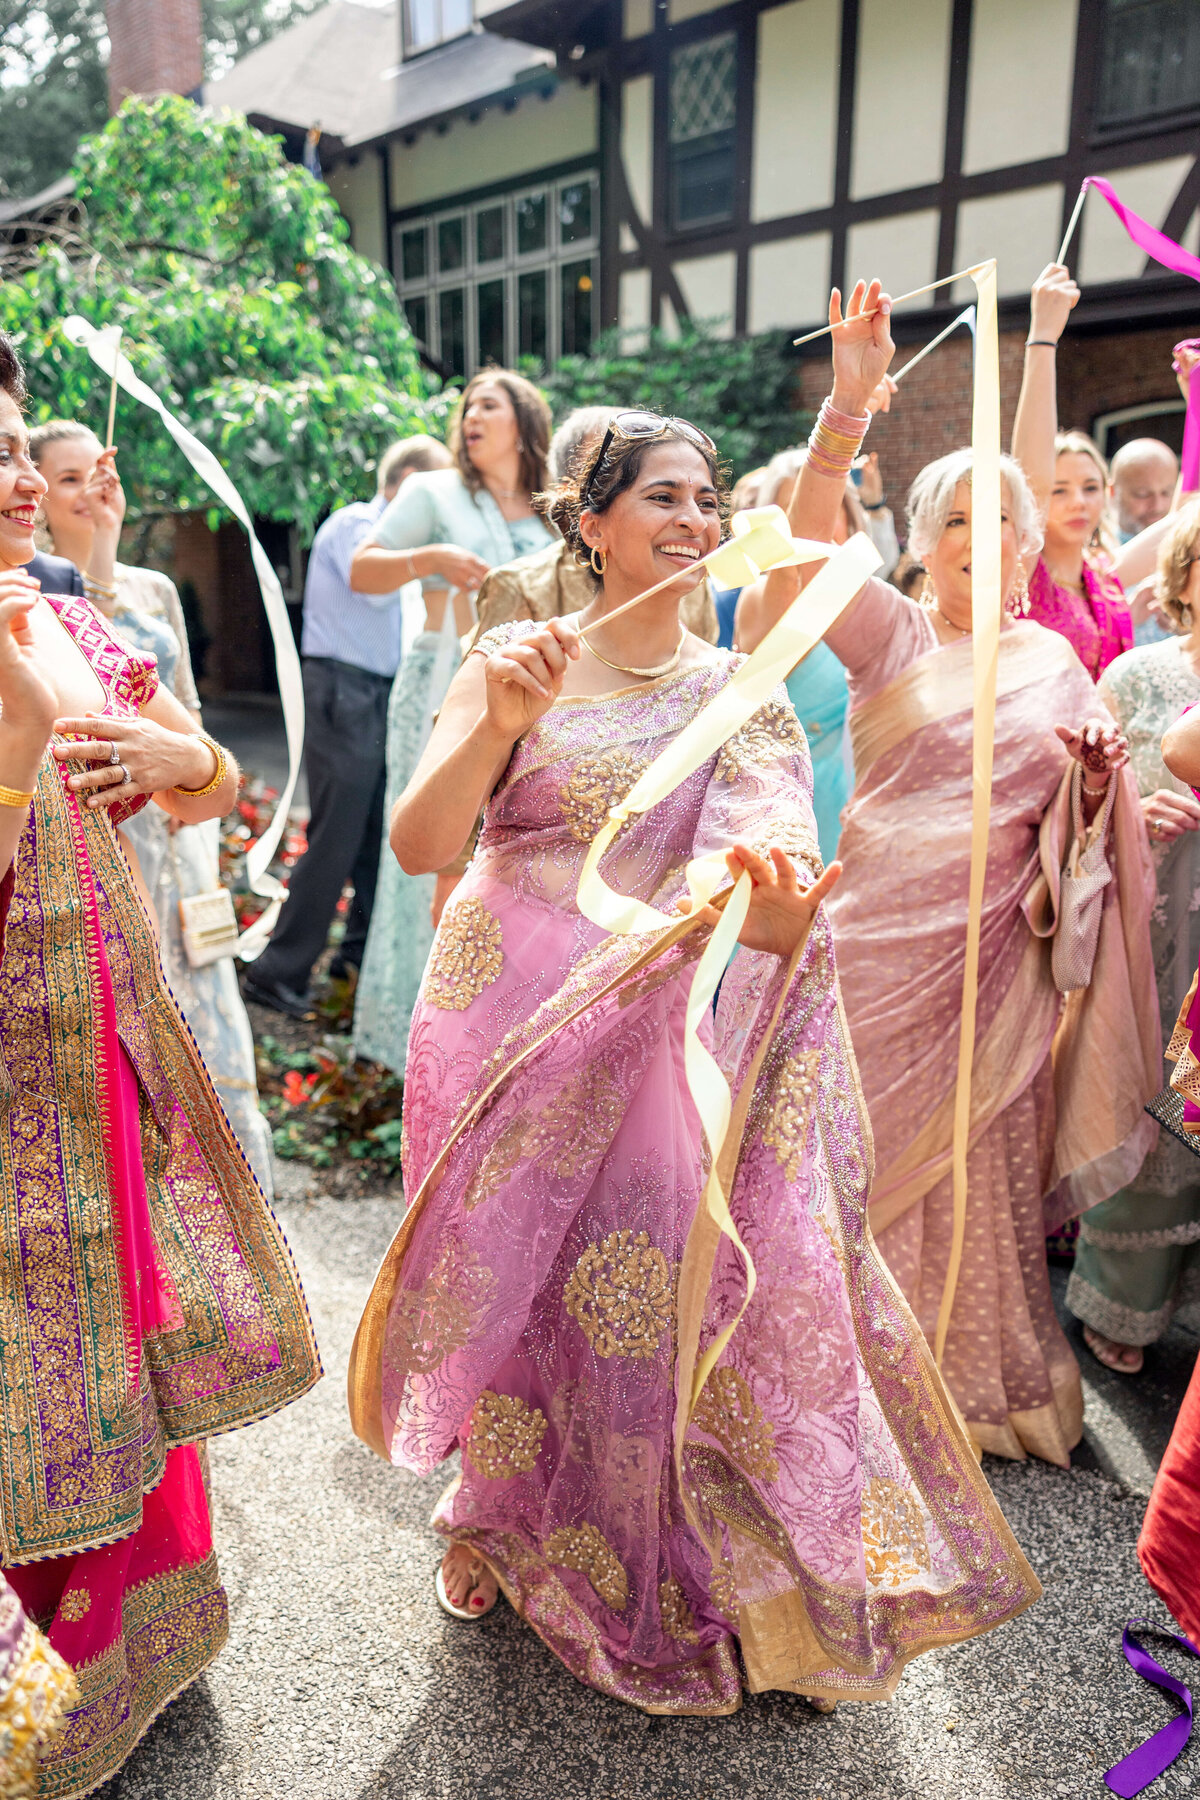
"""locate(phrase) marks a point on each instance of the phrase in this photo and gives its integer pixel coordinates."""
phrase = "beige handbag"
(209, 925)
(1081, 892)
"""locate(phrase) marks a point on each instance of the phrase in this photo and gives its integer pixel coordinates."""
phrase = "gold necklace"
(672, 662)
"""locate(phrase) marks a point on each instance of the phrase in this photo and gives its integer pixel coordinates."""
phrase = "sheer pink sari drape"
(826, 1516)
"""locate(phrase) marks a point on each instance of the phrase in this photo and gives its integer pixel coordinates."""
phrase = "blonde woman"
(1076, 584)
(1138, 1260)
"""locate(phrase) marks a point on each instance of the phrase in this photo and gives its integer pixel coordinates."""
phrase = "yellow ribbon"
(986, 603)
(786, 645)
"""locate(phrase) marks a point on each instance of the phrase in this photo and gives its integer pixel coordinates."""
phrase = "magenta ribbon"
(1172, 256)
(1145, 1764)
(1189, 462)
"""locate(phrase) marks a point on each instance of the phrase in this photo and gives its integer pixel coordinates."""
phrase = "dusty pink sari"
(824, 1515)
(1049, 1137)
(147, 1299)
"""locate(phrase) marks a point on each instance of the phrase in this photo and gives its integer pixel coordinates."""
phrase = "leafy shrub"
(742, 391)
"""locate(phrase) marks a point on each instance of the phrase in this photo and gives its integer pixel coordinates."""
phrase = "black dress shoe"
(277, 996)
(341, 970)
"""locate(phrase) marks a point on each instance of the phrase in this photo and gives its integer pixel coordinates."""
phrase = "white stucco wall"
(359, 193)
(500, 146)
(1022, 231)
(707, 283)
(637, 141)
(795, 108)
(900, 95)
(901, 251)
(1019, 82)
(789, 282)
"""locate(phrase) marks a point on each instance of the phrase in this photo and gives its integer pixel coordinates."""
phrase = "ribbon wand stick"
(112, 397)
(963, 318)
(1074, 220)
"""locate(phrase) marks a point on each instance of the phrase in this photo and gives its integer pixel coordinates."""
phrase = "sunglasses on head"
(643, 427)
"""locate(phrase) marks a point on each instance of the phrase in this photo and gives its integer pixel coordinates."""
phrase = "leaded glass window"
(1150, 61)
(702, 132)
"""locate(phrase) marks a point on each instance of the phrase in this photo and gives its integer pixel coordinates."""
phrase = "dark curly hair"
(602, 482)
(12, 372)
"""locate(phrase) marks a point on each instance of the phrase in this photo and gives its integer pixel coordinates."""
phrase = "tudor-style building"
(535, 170)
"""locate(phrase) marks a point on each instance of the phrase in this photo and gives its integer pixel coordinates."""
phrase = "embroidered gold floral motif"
(506, 1435)
(594, 787)
(722, 1589)
(620, 1295)
(75, 1604)
(786, 1129)
(577, 1127)
(796, 842)
(897, 1551)
(498, 1164)
(676, 1614)
(467, 956)
(728, 1411)
(583, 1548)
(430, 1323)
(773, 729)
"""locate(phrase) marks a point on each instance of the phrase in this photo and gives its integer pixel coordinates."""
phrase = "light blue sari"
(437, 508)
(817, 690)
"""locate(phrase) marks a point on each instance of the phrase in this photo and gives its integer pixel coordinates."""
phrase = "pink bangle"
(835, 441)
(846, 424)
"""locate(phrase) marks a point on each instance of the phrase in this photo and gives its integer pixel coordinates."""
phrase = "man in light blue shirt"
(350, 645)
(1141, 488)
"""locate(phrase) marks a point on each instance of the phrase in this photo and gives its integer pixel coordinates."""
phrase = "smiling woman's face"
(949, 562)
(664, 522)
(67, 464)
(21, 487)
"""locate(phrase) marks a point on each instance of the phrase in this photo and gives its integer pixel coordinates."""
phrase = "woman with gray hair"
(1047, 1137)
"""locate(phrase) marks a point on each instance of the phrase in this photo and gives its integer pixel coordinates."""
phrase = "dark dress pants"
(345, 744)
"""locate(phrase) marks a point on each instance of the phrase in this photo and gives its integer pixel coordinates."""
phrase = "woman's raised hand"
(525, 677)
(862, 345)
(28, 701)
(103, 495)
(1097, 744)
(781, 911)
(1051, 302)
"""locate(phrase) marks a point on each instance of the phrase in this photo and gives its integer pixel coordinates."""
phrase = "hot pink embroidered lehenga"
(532, 1309)
(147, 1298)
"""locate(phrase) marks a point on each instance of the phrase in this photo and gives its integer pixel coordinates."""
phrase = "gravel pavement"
(343, 1681)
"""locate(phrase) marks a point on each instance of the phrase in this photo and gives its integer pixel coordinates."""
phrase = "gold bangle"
(14, 797)
(222, 770)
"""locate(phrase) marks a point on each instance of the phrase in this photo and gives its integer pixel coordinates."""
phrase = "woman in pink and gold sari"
(1058, 1088)
(818, 1508)
(147, 1299)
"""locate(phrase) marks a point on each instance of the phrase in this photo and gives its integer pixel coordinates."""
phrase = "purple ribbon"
(1145, 1764)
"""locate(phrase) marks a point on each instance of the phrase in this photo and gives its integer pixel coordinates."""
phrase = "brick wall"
(156, 48)
(932, 412)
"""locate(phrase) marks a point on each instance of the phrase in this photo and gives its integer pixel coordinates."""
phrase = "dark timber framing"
(609, 60)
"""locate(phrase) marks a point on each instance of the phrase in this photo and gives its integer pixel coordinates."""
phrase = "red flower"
(297, 1087)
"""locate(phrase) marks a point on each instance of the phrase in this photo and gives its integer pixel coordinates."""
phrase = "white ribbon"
(103, 346)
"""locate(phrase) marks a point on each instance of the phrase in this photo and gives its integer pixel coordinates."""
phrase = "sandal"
(820, 1703)
(475, 1568)
(1109, 1352)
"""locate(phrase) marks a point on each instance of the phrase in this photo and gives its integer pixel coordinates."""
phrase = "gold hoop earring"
(598, 568)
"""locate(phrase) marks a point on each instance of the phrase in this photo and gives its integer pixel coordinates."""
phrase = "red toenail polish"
(478, 1600)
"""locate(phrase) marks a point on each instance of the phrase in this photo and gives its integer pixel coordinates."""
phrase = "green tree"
(53, 87)
(242, 303)
(53, 81)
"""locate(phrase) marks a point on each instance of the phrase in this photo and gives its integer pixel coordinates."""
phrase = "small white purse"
(1081, 892)
(210, 927)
